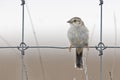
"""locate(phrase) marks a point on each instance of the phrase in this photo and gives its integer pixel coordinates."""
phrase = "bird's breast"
(77, 36)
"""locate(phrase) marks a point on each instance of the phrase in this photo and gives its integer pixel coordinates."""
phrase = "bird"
(78, 36)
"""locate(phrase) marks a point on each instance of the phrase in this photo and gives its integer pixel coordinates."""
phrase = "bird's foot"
(70, 48)
(87, 48)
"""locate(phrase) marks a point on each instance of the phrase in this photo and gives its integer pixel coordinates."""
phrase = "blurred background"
(48, 18)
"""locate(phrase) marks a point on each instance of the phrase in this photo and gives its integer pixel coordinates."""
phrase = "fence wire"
(55, 47)
(22, 47)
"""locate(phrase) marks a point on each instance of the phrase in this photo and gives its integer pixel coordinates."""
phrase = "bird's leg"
(70, 47)
(87, 47)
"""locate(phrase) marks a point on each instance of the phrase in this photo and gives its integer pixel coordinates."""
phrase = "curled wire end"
(23, 2)
(22, 47)
(101, 53)
(101, 2)
(100, 48)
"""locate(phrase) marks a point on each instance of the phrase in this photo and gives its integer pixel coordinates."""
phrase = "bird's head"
(75, 21)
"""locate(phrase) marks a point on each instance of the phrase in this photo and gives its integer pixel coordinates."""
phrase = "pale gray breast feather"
(81, 32)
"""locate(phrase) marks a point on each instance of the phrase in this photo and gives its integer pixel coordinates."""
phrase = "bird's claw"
(70, 48)
(87, 48)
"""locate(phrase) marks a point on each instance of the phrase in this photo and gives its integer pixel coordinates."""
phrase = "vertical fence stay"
(22, 47)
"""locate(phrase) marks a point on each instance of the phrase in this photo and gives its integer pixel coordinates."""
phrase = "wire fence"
(57, 47)
(22, 47)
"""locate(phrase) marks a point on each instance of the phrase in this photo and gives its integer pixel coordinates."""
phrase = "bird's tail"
(79, 54)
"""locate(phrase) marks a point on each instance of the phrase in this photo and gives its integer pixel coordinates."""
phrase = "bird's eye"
(74, 20)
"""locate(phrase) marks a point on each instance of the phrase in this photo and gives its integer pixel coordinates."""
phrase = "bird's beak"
(69, 21)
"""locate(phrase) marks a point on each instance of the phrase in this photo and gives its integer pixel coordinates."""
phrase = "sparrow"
(78, 35)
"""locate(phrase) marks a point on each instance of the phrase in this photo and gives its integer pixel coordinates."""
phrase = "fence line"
(55, 47)
(22, 47)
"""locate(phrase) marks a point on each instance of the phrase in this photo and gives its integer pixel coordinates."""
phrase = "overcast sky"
(49, 19)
